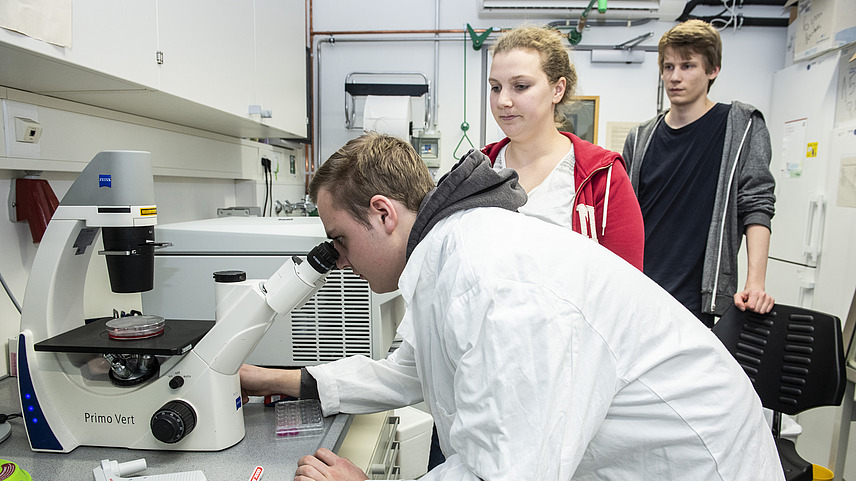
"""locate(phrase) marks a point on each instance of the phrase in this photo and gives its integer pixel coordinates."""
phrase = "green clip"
(478, 40)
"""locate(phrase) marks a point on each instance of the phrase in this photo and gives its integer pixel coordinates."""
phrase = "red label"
(257, 474)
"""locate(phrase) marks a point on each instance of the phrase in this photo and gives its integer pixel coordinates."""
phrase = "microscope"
(138, 382)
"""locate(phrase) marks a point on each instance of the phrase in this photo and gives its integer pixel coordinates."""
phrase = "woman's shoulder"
(589, 157)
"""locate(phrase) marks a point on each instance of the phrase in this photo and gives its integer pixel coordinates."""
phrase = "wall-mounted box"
(823, 25)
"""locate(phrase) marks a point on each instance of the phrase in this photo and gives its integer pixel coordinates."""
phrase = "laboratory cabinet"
(196, 63)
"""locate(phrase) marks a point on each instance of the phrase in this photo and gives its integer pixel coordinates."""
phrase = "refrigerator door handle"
(805, 298)
(814, 229)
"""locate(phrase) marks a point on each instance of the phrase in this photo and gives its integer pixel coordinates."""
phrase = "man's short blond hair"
(369, 165)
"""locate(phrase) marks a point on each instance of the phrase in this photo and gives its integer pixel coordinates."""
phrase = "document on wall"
(46, 20)
(793, 148)
(616, 134)
(844, 148)
(847, 182)
(845, 102)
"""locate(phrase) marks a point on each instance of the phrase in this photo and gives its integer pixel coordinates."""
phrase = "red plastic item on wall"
(35, 202)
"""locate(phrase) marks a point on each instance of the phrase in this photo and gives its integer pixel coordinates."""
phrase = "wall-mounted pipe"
(745, 21)
(427, 36)
(357, 37)
(750, 21)
(432, 123)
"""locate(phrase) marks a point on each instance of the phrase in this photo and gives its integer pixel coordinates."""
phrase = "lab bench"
(260, 447)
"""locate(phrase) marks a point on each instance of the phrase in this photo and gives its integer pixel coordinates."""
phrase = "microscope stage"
(179, 337)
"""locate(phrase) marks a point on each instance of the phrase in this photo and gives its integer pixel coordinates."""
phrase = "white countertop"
(259, 447)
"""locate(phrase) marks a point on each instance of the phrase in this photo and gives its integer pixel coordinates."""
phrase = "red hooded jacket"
(607, 209)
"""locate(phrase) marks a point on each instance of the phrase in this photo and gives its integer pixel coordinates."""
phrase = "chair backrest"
(794, 356)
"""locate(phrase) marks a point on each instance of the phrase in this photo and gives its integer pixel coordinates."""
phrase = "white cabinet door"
(219, 57)
(117, 38)
(280, 32)
(208, 52)
(114, 38)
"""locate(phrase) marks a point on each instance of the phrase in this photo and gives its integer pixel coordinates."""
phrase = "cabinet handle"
(814, 228)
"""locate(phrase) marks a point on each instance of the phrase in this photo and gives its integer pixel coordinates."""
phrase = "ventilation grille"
(798, 350)
(335, 323)
(795, 353)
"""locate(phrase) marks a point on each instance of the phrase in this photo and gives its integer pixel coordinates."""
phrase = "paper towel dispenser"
(394, 86)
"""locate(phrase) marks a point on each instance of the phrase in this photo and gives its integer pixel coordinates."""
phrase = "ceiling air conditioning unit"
(666, 10)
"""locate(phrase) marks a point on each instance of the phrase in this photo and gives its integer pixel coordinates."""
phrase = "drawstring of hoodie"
(585, 211)
(606, 199)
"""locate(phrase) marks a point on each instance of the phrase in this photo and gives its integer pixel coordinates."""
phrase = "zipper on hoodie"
(724, 213)
(606, 199)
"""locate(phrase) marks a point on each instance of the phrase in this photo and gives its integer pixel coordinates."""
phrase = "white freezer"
(344, 318)
(812, 261)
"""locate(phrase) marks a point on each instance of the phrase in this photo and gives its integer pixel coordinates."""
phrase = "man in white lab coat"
(540, 354)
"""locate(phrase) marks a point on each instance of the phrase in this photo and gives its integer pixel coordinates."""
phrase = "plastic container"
(299, 418)
(819, 473)
(10, 471)
(135, 327)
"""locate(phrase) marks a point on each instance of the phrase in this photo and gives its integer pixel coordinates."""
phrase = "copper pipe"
(309, 149)
(310, 164)
(390, 32)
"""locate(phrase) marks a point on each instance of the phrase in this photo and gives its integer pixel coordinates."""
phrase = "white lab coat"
(543, 356)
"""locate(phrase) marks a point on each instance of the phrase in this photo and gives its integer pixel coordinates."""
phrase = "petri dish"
(135, 327)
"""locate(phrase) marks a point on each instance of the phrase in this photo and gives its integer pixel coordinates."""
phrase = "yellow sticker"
(149, 211)
(811, 151)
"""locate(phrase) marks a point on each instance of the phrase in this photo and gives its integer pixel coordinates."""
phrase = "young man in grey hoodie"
(701, 174)
(540, 354)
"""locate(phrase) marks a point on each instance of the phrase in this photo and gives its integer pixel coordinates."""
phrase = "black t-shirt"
(677, 189)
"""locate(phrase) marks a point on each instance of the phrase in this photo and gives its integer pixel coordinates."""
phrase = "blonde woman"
(570, 182)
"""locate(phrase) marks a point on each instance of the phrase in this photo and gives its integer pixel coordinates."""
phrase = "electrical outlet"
(14, 148)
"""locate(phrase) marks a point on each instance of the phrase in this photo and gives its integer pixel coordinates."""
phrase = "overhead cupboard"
(233, 67)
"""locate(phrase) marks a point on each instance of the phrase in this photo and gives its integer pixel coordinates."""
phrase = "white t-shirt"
(553, 199)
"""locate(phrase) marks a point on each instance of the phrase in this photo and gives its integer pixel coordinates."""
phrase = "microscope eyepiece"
(323, 257)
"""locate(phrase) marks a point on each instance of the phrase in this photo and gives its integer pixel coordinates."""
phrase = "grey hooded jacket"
(471, 183)
(744, 196)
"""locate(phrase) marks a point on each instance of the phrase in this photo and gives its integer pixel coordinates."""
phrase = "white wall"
(628, 93)
(195, 173)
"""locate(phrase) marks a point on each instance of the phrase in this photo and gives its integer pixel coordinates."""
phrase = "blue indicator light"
(35, 420)
(27, 396)
(31, 408)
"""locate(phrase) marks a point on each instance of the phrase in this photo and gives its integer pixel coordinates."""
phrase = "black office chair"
(795, 359)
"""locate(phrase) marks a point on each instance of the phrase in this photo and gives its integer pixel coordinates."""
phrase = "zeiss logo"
(105, 180)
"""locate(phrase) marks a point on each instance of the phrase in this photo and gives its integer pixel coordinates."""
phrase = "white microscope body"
(191, 400)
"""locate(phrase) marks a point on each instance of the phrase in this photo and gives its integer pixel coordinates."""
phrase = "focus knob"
(173, 421)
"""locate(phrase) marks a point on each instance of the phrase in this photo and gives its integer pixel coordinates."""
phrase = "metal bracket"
(354, 89)
(478, 39)
(628, 45)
